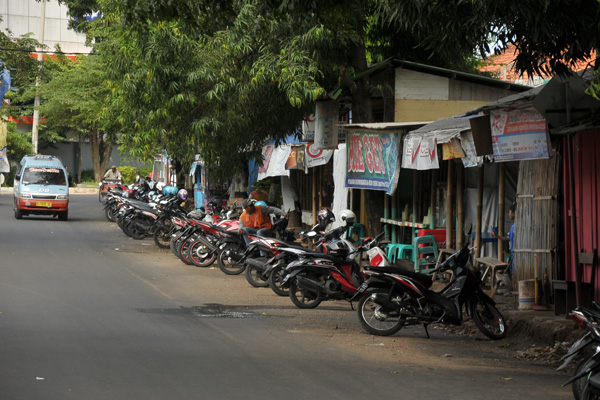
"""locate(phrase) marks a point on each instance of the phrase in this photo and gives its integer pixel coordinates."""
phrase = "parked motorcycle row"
(387, 297)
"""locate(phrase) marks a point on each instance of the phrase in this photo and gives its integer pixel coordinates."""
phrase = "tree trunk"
(100, 151)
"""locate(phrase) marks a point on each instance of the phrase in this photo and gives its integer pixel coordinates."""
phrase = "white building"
(24, 16)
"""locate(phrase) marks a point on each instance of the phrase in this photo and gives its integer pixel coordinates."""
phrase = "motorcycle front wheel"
(376, 319)
(200, 256)
(275, 281)
(162, 237)
(255, 277)
(589, 392)
(488, 319)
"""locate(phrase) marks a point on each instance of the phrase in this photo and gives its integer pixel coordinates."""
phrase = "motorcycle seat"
(424, 279)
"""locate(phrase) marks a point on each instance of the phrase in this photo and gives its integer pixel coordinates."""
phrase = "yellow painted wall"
(431, 110)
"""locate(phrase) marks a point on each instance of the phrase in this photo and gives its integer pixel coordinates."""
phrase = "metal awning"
(385, 126)
(444, 129)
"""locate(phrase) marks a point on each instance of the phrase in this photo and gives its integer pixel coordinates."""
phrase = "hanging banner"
(519, 135)
(316, 156)
(372, 161)
(326, 124)
(308, 128)
(452, 149)
(4, 165)
(275, 159)
(297, 158)
(420, 152)
(468, 144)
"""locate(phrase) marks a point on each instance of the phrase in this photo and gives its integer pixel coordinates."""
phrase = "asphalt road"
(87, 313)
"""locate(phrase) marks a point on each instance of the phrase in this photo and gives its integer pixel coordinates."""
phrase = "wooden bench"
(491, 265)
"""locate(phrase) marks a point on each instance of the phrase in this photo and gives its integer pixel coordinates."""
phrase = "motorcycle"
(332, 274)
(585, 382)
(392, 298)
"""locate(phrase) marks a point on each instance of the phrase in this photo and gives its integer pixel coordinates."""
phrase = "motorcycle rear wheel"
(304, 298)
(488, 319)
(375, 319)
(200, 256)
(227, 264)
(133, 229)
(275, 281)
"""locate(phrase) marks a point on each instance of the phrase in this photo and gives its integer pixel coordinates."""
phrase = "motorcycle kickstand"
(426, 331)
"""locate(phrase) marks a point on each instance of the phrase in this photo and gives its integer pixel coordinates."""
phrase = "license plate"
(43, 204)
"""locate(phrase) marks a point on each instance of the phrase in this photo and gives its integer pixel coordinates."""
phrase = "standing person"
(255, 219)
(137, 177)
(510, 239)
(113, 174)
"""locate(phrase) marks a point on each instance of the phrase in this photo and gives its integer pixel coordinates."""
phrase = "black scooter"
(585, 382)
(392, 298)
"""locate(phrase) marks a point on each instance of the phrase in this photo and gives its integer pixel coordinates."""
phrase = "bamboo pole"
(479, 211)
(449, 219)
(460, 213)
(314, 197)
(501, 191)
(386, 215)
(395, 218)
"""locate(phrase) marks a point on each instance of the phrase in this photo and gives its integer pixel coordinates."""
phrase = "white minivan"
(41, 186)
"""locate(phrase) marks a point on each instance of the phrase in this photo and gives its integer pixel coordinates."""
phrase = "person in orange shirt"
(255, 219)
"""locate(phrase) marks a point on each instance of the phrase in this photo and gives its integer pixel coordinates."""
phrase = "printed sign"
(326, 124)
(4, 165)
(420, 152)
(372, 161)
(519, 135)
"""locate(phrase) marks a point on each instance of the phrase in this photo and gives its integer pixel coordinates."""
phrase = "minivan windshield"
(44, 176)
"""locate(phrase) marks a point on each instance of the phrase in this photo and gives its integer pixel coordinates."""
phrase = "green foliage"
(129, 173)
(18, 143)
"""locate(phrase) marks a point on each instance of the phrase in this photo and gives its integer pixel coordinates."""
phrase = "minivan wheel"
(18, 213)
(64, 216)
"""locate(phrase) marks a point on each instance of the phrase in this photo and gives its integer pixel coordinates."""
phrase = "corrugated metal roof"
(376, 126)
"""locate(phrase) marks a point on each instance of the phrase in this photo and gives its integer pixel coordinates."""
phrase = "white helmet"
(160, 186)
(346, 217)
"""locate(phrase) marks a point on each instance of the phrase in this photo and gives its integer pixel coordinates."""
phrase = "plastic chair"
(425, 251)
(357, 229)
(398, 251)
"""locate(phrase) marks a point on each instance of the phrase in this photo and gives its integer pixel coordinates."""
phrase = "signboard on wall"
(372, 161)
(326, 124)
(519, 135)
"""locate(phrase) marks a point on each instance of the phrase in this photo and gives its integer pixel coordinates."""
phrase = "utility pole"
(36, 101)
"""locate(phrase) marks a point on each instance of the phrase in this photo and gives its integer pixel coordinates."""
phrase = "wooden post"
(449, 219)
(395, 218)
(433, 197)
(415, 201)
(386, 215)
(460, 212)
(501, 191)
(479, 211)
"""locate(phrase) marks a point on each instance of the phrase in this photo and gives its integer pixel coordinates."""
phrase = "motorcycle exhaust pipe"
(384, 301)
(209, 245)
(309, 284)
(255, 264)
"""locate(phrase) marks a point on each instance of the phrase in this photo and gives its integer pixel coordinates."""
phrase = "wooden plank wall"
(537, 218)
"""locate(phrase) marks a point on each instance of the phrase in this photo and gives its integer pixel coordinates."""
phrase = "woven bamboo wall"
(537, 219)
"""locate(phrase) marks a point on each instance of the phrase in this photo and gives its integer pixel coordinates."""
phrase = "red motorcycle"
(330, 275)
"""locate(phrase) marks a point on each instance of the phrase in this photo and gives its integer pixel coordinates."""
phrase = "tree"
(77, 98)
(549, 36)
